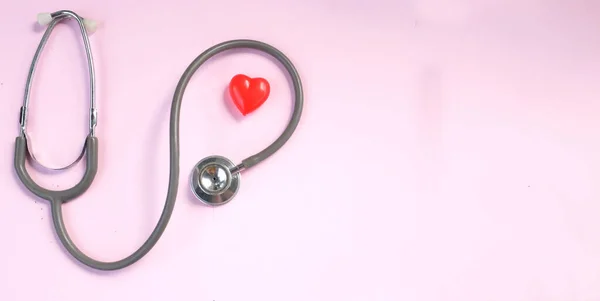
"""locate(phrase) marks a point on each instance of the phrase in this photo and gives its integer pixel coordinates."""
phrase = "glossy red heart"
(248, 94)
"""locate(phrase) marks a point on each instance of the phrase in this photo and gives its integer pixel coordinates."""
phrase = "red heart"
(248, 93)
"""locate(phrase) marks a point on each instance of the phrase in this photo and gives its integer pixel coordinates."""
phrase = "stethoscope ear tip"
(90, 25)
(44, 18)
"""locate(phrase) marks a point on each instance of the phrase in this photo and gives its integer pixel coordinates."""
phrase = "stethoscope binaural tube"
(90, 149)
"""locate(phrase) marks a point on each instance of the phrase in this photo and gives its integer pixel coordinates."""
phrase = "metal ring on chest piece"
(212, 181)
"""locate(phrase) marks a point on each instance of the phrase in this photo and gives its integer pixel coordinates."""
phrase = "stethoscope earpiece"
(44, 18)
(215, 180)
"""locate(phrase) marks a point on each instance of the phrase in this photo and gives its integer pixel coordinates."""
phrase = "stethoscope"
(214, 180)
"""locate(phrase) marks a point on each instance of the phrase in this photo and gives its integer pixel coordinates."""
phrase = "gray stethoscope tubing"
(57, 198)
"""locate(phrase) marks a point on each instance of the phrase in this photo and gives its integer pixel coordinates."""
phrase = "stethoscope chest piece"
(215, 180)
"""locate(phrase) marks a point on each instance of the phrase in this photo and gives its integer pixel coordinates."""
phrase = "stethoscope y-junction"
(214, 180)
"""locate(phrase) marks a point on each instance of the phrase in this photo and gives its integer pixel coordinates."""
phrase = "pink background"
(446, 152)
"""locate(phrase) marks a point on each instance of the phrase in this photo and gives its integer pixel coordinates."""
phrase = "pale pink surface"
(446, 152)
